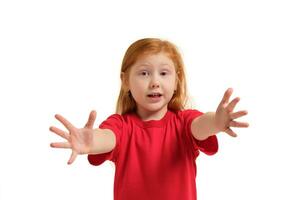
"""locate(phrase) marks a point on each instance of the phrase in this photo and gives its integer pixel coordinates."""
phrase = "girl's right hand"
(80, 140)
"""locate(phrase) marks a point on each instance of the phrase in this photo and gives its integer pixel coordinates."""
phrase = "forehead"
(160, 59)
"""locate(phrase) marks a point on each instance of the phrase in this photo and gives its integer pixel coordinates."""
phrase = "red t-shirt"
(155, 160)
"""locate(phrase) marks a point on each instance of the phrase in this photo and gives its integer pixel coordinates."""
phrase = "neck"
(146, 115)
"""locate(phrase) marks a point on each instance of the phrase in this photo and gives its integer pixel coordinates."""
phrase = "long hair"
(126, 103)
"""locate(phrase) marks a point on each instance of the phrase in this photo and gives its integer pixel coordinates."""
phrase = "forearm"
(204, 126)
(103, 141)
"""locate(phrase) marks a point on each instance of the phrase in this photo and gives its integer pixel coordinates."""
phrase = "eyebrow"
(147, 64)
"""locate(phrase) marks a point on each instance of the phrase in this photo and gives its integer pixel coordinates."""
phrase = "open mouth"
(154, 95)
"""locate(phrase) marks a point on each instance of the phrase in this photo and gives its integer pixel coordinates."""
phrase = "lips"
(154, 95)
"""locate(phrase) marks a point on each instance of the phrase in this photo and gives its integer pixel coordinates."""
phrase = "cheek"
(137, 85)
(172, 84)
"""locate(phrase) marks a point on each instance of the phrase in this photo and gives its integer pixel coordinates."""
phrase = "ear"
(176, 82)
(124, 80)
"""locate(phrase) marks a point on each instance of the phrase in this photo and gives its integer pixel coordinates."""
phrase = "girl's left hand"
(225, 117)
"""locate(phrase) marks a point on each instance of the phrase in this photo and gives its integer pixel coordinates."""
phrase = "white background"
(65, 57)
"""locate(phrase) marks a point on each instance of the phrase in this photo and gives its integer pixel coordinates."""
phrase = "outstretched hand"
(79, 140)
(225, 116)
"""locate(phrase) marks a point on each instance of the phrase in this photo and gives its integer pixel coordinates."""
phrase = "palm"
(81, 140)
(225, 117)
(78, 139)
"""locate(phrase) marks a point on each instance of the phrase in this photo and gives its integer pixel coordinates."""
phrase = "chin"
(155, 108)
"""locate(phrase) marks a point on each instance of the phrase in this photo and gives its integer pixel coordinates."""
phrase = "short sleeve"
(208, 146)
(115, 124)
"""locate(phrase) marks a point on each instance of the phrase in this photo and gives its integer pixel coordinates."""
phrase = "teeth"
(154, 95)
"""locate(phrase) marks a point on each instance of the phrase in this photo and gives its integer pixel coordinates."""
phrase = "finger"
(238, 124)
(72, 157)
(230, 132)
(232, 104)
(65, 145)
(226, 96)
(238, 114)
(65, 122)
(59, 132)
(91, 120)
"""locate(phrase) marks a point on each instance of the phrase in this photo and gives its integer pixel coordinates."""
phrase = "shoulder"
(113, 122)
(114, 118)
(120, 120)
(185, 117)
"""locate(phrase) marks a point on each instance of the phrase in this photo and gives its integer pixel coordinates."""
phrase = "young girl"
(152, 139)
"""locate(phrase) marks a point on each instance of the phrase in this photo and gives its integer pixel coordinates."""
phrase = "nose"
(154, 83)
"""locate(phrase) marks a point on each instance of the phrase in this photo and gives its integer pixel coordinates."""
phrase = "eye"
(164, 73)
(144, 73)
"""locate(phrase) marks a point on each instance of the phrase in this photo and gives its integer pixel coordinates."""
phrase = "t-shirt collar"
(151, 123)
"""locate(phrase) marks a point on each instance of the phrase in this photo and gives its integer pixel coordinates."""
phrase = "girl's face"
(152, 81)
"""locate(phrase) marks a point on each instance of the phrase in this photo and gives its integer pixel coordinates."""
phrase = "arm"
(212, 123)
(104, 140)
(204, 126)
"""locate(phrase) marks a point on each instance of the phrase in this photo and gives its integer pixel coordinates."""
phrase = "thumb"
(91, 120)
